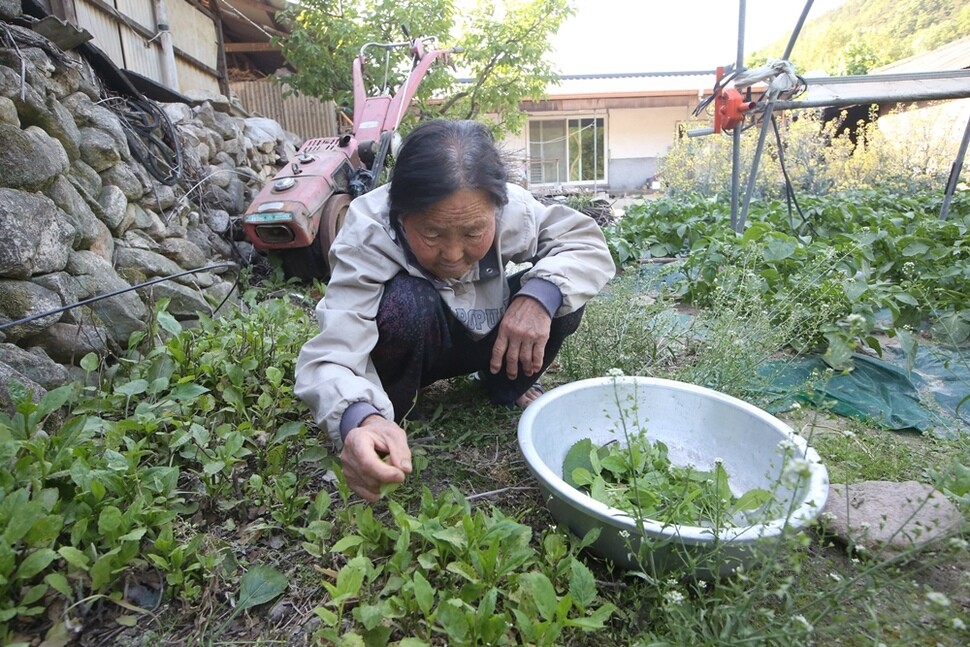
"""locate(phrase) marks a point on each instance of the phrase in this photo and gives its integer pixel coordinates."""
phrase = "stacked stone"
(80, 217)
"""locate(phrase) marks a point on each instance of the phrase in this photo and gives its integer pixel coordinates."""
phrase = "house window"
(567, 151)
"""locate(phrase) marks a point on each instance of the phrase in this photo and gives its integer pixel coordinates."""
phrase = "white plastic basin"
(698, 425)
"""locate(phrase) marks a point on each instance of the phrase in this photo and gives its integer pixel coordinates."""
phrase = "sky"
(622, 36)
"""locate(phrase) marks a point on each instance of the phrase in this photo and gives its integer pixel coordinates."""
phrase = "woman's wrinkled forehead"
(461, 207)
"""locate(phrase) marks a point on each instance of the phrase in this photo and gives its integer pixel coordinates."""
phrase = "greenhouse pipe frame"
(959, 92)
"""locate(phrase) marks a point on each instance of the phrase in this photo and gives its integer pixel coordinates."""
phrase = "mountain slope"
(863, 34)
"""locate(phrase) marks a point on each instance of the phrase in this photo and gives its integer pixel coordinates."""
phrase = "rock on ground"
(876, 516)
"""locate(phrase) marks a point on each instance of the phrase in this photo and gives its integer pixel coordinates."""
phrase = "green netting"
(875, 391)
(925, 391)
(946, 372)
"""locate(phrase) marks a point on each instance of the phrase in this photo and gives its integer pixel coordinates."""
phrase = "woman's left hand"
(522, 336)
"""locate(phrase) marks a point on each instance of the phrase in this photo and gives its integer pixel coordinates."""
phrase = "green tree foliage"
(863, 34)
(503, 62)
(857, 58)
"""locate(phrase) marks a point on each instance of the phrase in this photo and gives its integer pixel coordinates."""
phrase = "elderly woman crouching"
(419, 293)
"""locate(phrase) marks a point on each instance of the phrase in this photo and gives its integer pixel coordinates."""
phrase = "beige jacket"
(334, 369)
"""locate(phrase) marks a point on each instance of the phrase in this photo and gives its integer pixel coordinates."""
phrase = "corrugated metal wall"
(197, 38)
(104, 29)
(304, 116)
(193, 32)
(141, 55)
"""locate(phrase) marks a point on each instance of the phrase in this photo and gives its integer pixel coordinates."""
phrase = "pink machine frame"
(304, 204)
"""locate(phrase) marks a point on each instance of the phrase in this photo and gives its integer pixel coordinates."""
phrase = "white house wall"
(515, 147)
(638, 140)
(940, 122)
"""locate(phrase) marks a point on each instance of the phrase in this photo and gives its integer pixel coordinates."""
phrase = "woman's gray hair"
(440, 157)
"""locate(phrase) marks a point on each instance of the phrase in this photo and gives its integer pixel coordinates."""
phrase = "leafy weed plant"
(467, 576)
(860, 261)
(98, 480)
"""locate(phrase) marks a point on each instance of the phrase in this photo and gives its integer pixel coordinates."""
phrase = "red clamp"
(729, 107)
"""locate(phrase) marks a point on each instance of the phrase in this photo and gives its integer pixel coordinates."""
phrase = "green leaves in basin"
(640, 480)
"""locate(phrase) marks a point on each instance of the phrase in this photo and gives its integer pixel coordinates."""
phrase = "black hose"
(114, 294)
(790, 196)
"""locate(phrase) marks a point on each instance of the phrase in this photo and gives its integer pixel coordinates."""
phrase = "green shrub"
(821, 157)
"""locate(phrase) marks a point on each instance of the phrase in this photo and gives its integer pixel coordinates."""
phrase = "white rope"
(781, 74)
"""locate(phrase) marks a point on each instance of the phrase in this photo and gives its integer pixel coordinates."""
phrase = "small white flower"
(672, 582)
(615, 372)
(848, 434)
(800, 619)
(795, 406)
(625, 534)
(855, 319)
(798, 468)
(787, 445)
(674, 597)
(958, 624)
(938, 599)
(835, 576)
(718, 461)
(859, 548)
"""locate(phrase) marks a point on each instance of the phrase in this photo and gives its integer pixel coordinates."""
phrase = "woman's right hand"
(375, 453)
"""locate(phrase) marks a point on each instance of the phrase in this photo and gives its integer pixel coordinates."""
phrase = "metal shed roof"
(952, 56)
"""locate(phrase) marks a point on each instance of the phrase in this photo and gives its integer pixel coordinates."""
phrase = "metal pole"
(736, 136)
(797, 30)
(766, 123)
(955, 171)
(169, 74)
(939, 95)
(595, 153)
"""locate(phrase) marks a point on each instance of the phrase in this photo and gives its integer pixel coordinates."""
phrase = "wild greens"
(640, 480)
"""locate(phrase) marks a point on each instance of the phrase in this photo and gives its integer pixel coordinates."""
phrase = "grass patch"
(142, 505)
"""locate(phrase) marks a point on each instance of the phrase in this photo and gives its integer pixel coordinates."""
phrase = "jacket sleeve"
(334, 369)
(567, 249)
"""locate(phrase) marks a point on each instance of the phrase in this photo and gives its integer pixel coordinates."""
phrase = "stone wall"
(80, 217)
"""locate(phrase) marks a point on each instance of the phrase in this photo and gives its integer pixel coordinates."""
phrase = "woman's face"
(453, 234)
